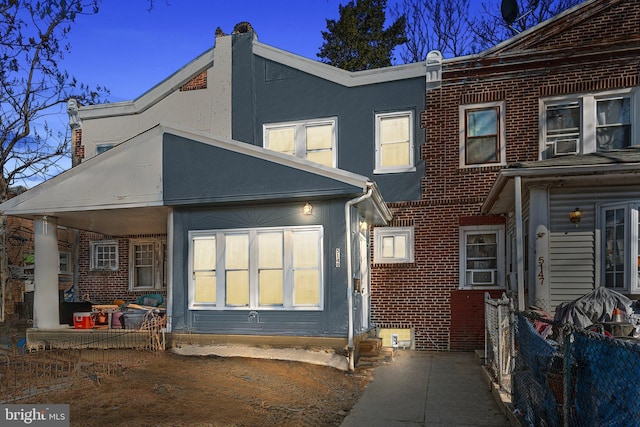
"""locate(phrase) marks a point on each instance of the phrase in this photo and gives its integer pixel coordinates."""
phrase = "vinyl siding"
(572, 266)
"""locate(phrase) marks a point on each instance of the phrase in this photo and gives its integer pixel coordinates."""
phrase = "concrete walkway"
(420, 389)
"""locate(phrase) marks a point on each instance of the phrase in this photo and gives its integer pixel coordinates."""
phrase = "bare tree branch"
(33, 42)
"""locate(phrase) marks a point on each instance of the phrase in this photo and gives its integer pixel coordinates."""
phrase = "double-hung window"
(563, 128)
(482, 135)
(620, 224)
(314, 140)
(394, 142)
(263, 268)
(104, 255)
(482, 256)
(613, 123)
(588, 123)
(146, 264)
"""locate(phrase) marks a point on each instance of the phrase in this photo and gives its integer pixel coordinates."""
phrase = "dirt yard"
(173, 390)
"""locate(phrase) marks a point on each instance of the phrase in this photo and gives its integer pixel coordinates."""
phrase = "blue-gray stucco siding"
(330, 322)
(268, 92)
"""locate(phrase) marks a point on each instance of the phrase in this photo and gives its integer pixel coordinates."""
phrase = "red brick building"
(483, 113)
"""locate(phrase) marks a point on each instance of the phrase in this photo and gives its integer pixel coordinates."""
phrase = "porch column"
(539, 259)
(45, 297)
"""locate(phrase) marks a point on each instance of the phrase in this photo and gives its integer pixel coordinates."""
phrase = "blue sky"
(129, 49)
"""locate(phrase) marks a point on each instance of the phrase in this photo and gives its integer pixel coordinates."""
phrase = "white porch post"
(539, 229)
(45, 297)
(519, 243)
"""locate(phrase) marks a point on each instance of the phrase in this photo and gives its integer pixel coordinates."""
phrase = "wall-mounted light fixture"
(575, 216)
(363, 226)
(307, 209)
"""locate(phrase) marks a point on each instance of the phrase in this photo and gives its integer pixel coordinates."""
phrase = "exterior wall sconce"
(307, 209)
(575, 216)
(363, 226)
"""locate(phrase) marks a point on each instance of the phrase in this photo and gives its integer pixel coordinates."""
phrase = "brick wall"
(103, 287)
(425, 295)
(196, 83)
(467, 323)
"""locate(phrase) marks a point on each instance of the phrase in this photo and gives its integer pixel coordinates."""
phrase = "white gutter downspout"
(519, 241)
(347, 216)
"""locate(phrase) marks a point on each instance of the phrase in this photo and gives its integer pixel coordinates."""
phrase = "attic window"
(196, 83)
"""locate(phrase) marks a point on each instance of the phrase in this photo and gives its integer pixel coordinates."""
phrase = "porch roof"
(130, 188)
(614, 167)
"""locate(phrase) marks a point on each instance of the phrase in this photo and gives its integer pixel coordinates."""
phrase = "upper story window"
(103, 147)
(620, 224)
(314, 140)
(394, 142)
(104, 255)
(588, 123)
(264, 268)
(482, 135)
(482, 252)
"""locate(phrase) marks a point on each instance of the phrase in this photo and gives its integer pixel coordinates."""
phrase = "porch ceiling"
(116, 222)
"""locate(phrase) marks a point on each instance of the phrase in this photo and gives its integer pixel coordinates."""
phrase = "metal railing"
(499, 343)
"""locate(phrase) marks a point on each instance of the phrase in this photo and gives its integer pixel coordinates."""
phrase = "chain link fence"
(566, 376)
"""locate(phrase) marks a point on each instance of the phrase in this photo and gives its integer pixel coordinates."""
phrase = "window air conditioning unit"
(565, 146)
(483, 277)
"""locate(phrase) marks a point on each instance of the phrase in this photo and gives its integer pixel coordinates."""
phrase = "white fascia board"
(494, 193)
(556, 172)
(571, 170)
(337, 75)
(153, 95)
(60, 193)
(270, 155)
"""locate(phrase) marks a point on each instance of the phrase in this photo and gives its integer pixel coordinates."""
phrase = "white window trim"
(588, 122)
(631, 218)
(502, 135)
(379, 169)
(93, 245)
(379, 233)
(300, 145)
(67, 256)
(499, 229)
(253, 283)
(159, 281)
